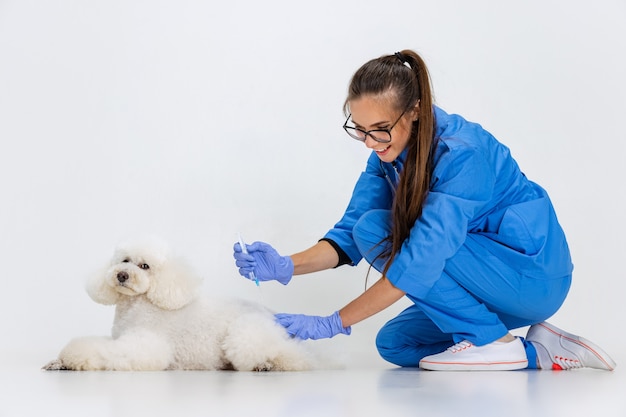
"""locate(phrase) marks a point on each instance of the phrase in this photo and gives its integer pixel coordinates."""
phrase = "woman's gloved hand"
(264, 261)
(312, 327)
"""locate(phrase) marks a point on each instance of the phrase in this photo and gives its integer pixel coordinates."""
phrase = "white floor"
(356, 391)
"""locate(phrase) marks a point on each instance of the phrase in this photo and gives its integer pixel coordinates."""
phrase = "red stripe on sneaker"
(475, 363)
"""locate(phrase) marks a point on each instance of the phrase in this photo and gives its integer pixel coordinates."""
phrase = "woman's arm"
(374, 300)
(319, 257)
(378, 297)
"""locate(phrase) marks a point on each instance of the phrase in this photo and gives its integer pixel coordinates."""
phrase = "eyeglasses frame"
(369, 132)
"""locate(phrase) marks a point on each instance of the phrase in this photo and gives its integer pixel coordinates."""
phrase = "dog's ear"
(99, 290)
(174, 284)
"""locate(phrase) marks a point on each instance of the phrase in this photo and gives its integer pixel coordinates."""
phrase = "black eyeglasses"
(379, 135)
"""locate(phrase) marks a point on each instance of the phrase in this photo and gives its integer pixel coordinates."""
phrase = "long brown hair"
(404, 77)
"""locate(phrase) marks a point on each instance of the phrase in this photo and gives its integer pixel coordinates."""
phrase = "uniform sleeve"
(372, 191)
(463, 182)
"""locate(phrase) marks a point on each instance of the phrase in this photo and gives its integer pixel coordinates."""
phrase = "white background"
(195, 120)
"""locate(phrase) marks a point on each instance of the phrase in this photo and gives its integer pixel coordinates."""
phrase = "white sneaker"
(465, 356)
(558, 350)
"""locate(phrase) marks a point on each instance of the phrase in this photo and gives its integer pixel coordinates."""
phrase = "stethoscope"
(393, 185)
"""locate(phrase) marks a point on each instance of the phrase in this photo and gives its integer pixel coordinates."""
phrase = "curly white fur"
(161, 323)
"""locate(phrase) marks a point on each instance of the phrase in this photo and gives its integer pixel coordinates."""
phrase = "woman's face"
(376, 112)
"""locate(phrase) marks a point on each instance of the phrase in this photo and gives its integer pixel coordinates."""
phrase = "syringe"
(245, 250)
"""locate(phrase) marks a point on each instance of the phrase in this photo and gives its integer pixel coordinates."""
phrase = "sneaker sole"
(473, 366)
(596, 350)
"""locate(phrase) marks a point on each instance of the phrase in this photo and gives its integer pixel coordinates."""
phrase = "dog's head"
(145, 267)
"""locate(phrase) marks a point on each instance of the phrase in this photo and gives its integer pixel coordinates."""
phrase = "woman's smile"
(375, 113)
(383, 151)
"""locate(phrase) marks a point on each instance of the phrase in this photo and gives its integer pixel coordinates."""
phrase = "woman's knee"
(407, 350)
(388, 348)
(370, 231)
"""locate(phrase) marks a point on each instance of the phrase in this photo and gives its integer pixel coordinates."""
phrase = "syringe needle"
(245, 250)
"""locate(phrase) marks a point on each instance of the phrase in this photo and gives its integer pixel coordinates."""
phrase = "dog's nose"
(122, 276)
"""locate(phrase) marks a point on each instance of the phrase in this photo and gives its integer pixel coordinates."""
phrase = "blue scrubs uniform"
(487, 254)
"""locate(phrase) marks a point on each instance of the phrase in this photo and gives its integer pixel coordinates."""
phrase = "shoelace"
(460, 346)
(566, 363)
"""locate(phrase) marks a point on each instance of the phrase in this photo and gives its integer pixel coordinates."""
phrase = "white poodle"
(161, 324)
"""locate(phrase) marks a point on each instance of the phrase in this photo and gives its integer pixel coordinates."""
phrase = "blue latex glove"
(312, 327)
(264, 261)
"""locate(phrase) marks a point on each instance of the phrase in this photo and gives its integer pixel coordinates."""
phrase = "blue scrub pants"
(477, 298)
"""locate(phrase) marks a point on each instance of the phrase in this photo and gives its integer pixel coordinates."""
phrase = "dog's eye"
(144, 266)
(126, 260)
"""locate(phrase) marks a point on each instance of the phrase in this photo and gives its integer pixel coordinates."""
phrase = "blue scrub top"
(477, 188)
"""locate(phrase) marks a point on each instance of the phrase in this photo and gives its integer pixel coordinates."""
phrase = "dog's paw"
(55, 365)
(263, 367)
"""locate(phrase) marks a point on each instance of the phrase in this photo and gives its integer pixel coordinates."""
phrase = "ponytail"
(416, 174)
(405, 75)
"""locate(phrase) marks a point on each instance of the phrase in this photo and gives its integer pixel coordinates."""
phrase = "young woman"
(445, 214)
